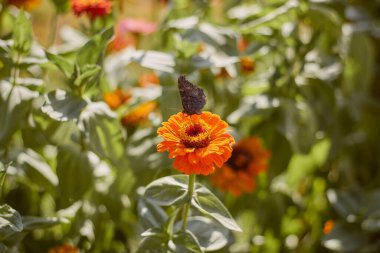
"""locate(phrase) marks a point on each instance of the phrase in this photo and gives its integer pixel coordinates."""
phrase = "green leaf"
(372, 223)
(359, 62)
(186, 48)
(30, 82)
(57, 132)
(31, 223)
(63, 64)
(210, 235)
(3, 172)
(346, 203)
(89, 76)
(184, 23)
(151, 215)
(102, 132)
(207, 203)
(154, 232)
(116, 63)
(3, 248)
(92, 52)
(167, 191)
(344, 238)
(186, 242)
(22, 35)
(273, 16)
(15, 104)
(75, 174)
(301, 165)
(10, 222)
(62, 6)
(63, 106)
(154, 242)
(296, 121)
(170, 100)
(38, 170)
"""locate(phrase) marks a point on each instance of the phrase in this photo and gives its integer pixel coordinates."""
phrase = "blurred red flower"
(93, 8)
(239, 173)
(65, 248)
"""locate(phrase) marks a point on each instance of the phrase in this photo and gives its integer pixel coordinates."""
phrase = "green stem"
(53, 29)
(187, 205)
(15, 69)
(2, 11)
(2, 180)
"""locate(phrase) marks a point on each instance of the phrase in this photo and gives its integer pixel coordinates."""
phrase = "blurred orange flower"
(223, 73)
(116, 98)
(247, 64)
(201, 47)
(239, 173)
(137, 26)
(93, 8)
(139, 115)
(65, 248)
(197, 143)
(329, 225)
(148, 79)
(242, 44)
(26, 4)
(121, 40)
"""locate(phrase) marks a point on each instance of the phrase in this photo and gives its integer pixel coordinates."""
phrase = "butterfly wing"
(193, 98)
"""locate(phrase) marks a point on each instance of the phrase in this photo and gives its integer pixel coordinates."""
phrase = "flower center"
(240, 159)
(195, 135)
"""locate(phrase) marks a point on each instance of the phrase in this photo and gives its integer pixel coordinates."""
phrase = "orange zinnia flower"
(139, 115)
(93, 8)
(329, 225)
(26, 4)
(247, 64)
(239, 173)
(148, 79)
(65, 248)
(116, 98)
(197, 143)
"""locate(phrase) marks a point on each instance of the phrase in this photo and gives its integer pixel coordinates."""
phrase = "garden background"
(85, 84)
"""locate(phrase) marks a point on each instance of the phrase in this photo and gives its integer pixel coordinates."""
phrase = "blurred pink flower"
(137, 26)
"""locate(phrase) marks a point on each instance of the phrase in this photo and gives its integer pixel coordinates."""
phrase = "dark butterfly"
(193, 98)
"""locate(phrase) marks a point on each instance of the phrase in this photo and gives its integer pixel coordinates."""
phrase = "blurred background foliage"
(81, 99)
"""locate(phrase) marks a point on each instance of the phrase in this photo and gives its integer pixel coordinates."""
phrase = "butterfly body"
(193, 98)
